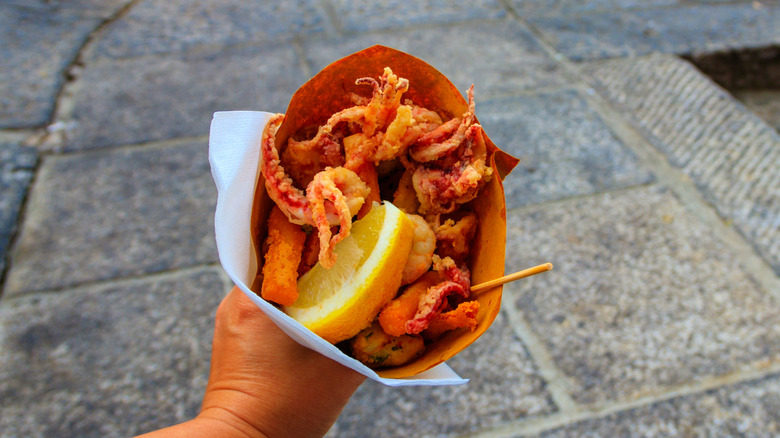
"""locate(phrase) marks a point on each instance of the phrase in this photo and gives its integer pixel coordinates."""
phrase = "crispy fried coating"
(405, 197)
(397, 312)
(465, 315)
(280, 271)
(311, 252)
(376, 348)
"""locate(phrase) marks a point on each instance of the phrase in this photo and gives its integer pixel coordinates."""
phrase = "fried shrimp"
(420, 256)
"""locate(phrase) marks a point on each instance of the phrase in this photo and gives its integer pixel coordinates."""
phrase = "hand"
(264, 384)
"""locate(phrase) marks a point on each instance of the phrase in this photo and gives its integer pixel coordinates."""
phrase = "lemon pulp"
(337, 303)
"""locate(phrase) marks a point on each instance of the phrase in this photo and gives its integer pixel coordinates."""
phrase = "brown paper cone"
(327, 93)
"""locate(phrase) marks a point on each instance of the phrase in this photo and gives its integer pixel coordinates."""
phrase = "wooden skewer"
(511, 277)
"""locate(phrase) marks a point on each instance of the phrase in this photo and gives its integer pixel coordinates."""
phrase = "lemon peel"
(339, 302)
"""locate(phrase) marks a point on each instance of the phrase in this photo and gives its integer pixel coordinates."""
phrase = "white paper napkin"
(234, 155)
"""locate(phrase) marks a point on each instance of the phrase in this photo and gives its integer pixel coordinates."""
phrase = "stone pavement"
(654, 192)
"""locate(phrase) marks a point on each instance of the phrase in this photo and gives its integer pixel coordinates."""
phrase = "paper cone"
(329, 92)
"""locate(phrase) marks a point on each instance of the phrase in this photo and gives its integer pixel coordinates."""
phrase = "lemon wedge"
(339, 302)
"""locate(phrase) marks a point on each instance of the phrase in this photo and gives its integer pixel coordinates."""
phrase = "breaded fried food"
(397, 312)
(375, 348)
(465, 315)
(280, 271)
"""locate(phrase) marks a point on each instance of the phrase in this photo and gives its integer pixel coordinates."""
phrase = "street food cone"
(329, 92)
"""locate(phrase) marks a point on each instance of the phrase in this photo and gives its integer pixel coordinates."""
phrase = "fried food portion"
(453, 238)
(465, 315)
(280, 271)
(397, 312)
(421, 254)
(375, 348)
(311, 252)
(405, 197)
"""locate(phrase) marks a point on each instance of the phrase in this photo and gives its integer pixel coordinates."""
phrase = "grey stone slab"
(684, 29)
(565, 149)
(729, 153)
(111, 214)
(360, 16)
(504, 386)
(643, 296)
(763, 103)
(499, 57)
(36, 47)
(84, 8)
(17, 168)
(109, 361)
(743, 410)
(166, 26)
(533, 8)
(156, 98)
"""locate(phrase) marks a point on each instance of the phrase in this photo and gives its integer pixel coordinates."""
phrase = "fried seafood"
(376, 348)
(344, 190)
(421, 255)
(435, 165)
(454, 236)
(397, 312)
(464, 316)
(346, 193)
(285, 246)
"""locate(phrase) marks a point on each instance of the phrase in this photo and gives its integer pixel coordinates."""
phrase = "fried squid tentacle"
(434, 301)
(280, 187)
(346, 193)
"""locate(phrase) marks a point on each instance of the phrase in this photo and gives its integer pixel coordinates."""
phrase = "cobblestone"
(36, 47)
(683, 29)
(170, 26)
(358, 16)
(471, 47)
(565, 149)
(17, 168)
(644, 297)
(728, 152)
(505, 385)
(118, 359)
(145, 99)
(746, 409)
(136, 211)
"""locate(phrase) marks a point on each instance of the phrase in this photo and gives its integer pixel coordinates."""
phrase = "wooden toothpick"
(511, 277)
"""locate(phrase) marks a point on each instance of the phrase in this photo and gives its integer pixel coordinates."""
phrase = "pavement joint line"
(330, 12)
(674, 178)
(20, 135)
(574, 198)
(300, 53)
(758, 371)
(526, 92)
(68, 73)
(554, 378)
(416, 26)
(128, 280)
(687, 192)
(683, 4)
(153, 144)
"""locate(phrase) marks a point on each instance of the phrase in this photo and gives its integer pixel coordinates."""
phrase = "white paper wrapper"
(234, 155)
